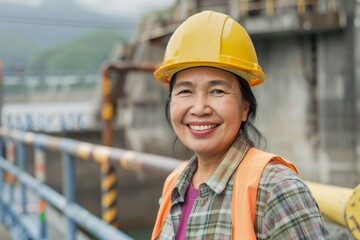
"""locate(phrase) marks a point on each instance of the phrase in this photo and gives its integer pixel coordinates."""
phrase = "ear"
(244, 111)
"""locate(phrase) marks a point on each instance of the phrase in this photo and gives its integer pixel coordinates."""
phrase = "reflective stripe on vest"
(244, 196)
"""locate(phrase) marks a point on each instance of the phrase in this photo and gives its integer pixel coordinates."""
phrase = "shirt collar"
(218, 181)
(182, 184)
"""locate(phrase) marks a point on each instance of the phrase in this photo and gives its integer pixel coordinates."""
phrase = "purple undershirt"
(190, 197)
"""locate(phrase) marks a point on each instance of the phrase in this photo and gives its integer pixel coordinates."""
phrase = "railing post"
(244, 8)
(301, 7)
(1, 197)
(332, 5)
(2, 155)
(9, 148)
(21, 163)
(270, 11)
(69, 184)
(9, 177)
(20, 154)
(108, 173)
(39, 156)
(1, 89)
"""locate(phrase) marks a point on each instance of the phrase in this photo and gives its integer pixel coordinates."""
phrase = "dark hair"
(248, 132)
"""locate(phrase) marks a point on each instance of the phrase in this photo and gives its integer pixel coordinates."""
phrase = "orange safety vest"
(244, 196)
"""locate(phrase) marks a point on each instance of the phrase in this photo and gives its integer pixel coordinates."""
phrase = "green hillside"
(82, 54)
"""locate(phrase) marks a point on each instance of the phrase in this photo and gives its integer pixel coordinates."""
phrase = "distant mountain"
(13, 44)
(85, 53)
(57, 21)
(24, 30)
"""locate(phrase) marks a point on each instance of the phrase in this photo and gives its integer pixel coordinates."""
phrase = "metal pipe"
(129, 66)
(341, 205)
(129, 160)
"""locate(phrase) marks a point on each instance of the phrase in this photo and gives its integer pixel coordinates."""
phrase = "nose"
(201, 105)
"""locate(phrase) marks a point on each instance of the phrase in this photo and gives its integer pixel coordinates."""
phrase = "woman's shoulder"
(279, 186)
(278, 181)
(285, 206)
(278, 175)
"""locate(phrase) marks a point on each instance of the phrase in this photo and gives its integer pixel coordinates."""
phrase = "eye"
(183, 92)
(217, 92)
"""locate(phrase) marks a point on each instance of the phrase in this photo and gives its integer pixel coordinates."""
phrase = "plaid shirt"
(285, 207)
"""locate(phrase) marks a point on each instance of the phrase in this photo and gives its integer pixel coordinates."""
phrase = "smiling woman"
(202, 113)
(229, 189)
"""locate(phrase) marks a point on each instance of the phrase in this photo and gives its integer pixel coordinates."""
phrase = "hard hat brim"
(254, 74)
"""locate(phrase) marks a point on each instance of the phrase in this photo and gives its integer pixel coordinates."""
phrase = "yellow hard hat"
(211, 39)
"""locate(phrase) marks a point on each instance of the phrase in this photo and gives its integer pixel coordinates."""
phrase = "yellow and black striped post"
(10, 155)
(109, 194)
(108, 173)
(40, 175)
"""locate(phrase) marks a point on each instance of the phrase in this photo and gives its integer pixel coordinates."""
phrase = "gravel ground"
(339, 232)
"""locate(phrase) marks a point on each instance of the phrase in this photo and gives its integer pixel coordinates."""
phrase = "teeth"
(202, 127)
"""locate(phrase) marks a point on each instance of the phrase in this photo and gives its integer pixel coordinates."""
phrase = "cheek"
(175, 112)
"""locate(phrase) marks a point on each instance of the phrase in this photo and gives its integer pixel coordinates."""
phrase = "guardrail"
(343, 208)
(270, 6)
(28, 226)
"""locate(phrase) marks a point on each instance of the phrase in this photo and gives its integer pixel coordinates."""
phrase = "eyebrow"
(211, 83)
(182, 84)
(219, 82)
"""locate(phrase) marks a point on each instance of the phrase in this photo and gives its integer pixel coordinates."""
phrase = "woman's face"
(206, 110)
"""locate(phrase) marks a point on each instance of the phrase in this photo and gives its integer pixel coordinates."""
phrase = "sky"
(107, 7)
(123, 6)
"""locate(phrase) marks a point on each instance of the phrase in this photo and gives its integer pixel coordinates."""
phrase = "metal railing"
(270, 6)
(14, 178)
(343, 208)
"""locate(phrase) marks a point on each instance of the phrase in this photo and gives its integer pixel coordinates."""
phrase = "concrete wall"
(314, 126)
(337, 112)
(357, 84)
(283, 100)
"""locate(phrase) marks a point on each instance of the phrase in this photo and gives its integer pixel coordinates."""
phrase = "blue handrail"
(29, 226)
(76, 213)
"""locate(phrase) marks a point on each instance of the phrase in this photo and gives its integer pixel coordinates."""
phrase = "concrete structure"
(309, 105)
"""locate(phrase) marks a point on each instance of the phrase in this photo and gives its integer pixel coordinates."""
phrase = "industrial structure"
(308, 107)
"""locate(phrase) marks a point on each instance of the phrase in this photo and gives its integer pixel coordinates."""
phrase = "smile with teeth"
(202, 127)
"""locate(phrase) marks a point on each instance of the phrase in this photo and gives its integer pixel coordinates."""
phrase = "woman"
(229, 189)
